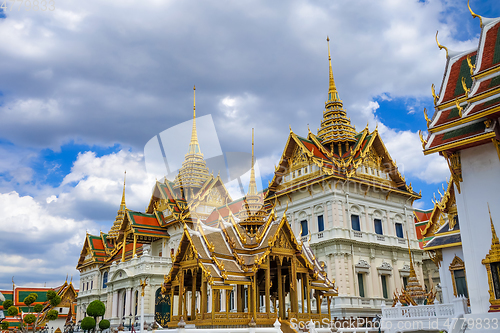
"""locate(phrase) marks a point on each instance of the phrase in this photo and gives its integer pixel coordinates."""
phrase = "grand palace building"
(332, 236)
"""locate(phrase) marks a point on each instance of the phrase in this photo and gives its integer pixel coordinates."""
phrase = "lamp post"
(143, 285)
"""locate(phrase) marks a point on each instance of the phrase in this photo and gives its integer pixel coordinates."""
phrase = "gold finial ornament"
(422, 140)
(441, 46)
(459, 108)
(471, 66)
(427, 118)
(475, 15)
(464, 86)
(436, 97)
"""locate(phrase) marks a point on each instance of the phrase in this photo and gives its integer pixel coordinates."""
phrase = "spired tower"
(252, 215)
(336, 131)
(194, 171)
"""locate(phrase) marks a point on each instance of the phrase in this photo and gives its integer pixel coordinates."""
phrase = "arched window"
(105, 280)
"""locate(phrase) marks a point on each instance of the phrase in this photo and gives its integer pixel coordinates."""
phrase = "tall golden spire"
(123, 206)
(251, 214)
(252, 186)
(333, 94)
(494, 239)
(114, 231)
(194, 146)
(335, 126)
(413, 287)
(194, 170)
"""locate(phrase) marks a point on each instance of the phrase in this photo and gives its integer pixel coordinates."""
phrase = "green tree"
(30, 299)
(51, 294)
(14, 312)
(104, 324)
(5, 325)
(29, 319)
(96, 309)
(38, 308)
(88, 323)
(55, 301)
(52, 315)
(7, 304)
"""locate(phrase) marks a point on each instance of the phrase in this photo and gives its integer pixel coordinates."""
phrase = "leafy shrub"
(13, 311)
(52, 315)
(104, 324)
(38, 308)
(55, 300)
(7, 304)
(96, 309)
(29, 319)
(51, 294)
(88, 323)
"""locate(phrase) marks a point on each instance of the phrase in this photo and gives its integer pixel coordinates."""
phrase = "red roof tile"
(489, 47)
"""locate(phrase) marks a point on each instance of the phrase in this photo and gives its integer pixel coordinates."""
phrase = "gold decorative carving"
(436, 97)
(472, 67)
(436, 257)
(459, 108)
(427, 118)
(464, 86)
(455, 166)
(422, 140)
(475, 15)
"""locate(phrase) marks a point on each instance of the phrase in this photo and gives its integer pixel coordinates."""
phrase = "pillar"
(115, 304)
(135, 245)
(281, 301)
(193, 295)
(268, 285)
(128, 299)
(181, 292)
(308, 294)
(124, 244)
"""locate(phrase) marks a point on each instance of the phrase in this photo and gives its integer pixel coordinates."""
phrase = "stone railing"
(423, 317)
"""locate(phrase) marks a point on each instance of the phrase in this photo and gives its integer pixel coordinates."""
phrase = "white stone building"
(346, 197)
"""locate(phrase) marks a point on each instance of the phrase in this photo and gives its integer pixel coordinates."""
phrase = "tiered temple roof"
(468, 104)
(337, 153)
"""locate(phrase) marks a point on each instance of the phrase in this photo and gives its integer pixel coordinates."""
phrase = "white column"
(351, 281)
(142, 313)
(115, 304)
(128, 302)
(335, 216)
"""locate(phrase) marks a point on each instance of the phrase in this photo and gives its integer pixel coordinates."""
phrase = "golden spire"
(333, 95)
(412, 269)
(494, 239)
(194, 170)
(252, 186)
(194, 146)
(114, 231)
(335, 126)
(123, 206)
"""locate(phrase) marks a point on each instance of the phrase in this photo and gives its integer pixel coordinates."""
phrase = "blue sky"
(83, 88)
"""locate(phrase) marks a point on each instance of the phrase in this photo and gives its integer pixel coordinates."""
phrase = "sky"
(85, 86)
